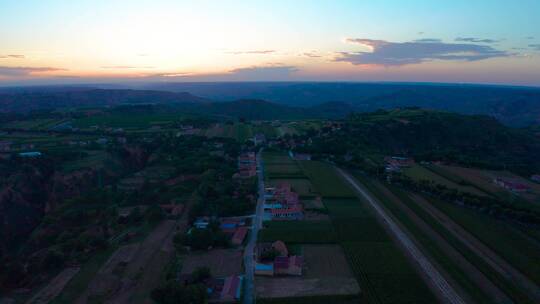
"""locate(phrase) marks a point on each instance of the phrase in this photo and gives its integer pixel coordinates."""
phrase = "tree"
(200, 274)
(200, 239)
(174, 293)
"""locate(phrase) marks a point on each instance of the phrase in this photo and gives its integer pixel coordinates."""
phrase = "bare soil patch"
(54, 287)
(326, 272)
(222, 262)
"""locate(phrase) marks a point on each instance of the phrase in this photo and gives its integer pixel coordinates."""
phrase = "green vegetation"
(326, 180)
(435, 251)
(384, 273)
(419, 172)
(298, 232)
(278, 165)
(459, 275)
(508, 242)
(303, 187)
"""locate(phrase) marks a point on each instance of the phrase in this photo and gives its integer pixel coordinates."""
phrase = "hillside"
(473, 140)
(515, 106)
(28, 100)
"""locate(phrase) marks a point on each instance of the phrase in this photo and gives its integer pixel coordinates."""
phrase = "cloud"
(18, 56)
(271, 72)
(311, 55)
(427, 40)
(120, 67)
(25, 71)
(252, 52)
(475, 40)
(535, 46)
(385, 53)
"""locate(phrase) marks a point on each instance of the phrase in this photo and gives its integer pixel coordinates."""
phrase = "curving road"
(438, 281)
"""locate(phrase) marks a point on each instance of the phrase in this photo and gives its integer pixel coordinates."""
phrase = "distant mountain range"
(13, 100)
(514, 106)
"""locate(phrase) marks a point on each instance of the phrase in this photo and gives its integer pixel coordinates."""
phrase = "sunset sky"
(480, 41)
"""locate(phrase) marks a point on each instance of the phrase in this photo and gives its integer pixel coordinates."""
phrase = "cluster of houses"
(247, 165)
(273, 259)
(396, 163)
(188, 130)
(259, 139)
(8, 146)
(511, 185)
(234, 227)
(281, 203)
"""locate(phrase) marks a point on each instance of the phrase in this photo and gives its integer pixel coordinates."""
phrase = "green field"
(326, 180)
(418, 173)
(508, 242)
(33, 124)
(503, 236)
(384, 273)
(278, 165)
(123, 120)
(303, 187)
(298, 232)
(458, 274)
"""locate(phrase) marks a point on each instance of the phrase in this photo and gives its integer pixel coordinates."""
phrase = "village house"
(511, 185)
(282, 264)
(395, 163)
(259, 139)
(281, 203)
(235, 227)
(232, 287)
(247, 165)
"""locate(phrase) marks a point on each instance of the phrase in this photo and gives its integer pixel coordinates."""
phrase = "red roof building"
(239, 236)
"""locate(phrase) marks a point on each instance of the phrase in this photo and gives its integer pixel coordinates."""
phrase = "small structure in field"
(33, 154)
(395, 163)
(511, 185)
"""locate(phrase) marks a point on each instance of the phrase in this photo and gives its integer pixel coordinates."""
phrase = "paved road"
(439, 282)
(249, 293)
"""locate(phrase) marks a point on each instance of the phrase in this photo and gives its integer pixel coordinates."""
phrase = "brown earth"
(325, 272)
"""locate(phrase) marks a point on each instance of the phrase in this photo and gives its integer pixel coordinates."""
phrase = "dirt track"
(54, 287)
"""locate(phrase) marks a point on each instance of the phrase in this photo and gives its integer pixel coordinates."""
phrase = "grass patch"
(324, 177)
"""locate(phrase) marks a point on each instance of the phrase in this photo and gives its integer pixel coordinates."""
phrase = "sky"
(451, 41)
